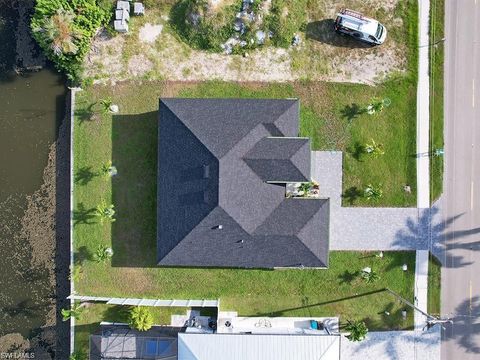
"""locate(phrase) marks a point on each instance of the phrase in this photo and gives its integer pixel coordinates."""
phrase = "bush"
(202, 27)
(140, 318)
(64, 30)
(285, 19)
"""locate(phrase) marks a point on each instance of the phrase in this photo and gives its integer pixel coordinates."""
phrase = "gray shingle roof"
(215, 158)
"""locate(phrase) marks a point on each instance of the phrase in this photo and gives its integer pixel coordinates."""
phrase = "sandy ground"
(151, 50)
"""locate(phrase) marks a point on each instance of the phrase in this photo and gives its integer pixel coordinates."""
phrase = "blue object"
(163, 346)
(313, 325)
(151, 347)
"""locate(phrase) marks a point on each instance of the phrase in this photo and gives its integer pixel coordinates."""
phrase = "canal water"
(32, 106)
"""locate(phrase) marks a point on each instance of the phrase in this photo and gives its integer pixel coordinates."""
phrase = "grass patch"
(434, 286)
(437, 19)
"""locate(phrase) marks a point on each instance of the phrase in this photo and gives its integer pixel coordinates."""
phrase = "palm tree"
(358, 330)
(106, 105)
(105, 212)
(74, 312)
(374, 149)
(140, 318)
(370, 276)
(373, 193)
(109, 170)
(103, 253)
(376, 105)
(58, 30)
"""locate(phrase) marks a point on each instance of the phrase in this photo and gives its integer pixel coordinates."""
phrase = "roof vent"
(219, 227)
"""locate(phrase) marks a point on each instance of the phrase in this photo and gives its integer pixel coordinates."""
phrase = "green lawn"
(434, 286)
(129, 139)
(437, 23)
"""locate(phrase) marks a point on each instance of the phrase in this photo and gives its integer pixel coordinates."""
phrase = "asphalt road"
(461, 200)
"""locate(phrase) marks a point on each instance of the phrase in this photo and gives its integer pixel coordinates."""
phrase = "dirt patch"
(139, 65)
(321, 55)
(148, 33)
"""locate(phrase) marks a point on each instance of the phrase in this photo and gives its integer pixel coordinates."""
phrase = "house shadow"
(323, 32)
(134, 189)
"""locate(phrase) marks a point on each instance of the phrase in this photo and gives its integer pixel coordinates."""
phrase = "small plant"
(108, 170)
(358, 330)
(105, 105)
(105, 212)
(376, 105)
(373, 193)
(369, 276)
(76, 273)
(374, 149)
(305, 187)
(103, 253)
(74, 312)
(140, 318)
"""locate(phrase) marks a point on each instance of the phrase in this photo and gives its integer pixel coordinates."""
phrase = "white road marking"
(473, 92)
(471, 195)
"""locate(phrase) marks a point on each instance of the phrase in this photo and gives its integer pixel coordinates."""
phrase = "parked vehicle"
(360, 27)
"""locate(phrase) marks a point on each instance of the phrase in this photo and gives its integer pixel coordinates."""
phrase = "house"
(224, 166)
(253, 338)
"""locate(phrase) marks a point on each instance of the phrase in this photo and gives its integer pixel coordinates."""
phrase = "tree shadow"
(352, 194)
(323, 31)
(83, 216)
(84, 175)
(352, 111)
(465, 326)
(85, 114)
(81, 255)
(347, 277)
(356, 150)
(429, 233)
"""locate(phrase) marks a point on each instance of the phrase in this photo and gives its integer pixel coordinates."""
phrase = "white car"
(360, 27)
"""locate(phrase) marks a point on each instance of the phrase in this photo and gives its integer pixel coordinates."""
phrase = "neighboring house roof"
(258, 347)
(217, 159)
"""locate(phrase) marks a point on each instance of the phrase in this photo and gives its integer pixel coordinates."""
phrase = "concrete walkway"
(394, 345)
(421, 288)
(423, 104)
(356, 228)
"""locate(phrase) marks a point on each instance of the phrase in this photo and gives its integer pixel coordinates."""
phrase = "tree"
(105, 212)
(64, 30)
(74, 312)
(140, 318)
(105, 105)
(59, 32)
(374, 149)
(103, 253)
(108, 170)
(369, 276)
(358, 330)
(376, 105)
(372, 192)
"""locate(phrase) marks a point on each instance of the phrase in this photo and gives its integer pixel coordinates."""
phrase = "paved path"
(356, 228)
(421, 288)
(423, 103)
(394, 345)
(461, 201)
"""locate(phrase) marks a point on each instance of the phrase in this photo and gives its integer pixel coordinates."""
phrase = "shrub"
(201, 27)
(64, 30)
(358, 330)
(285, 19)
(140, 318)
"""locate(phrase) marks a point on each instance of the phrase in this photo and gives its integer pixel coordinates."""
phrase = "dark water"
(31, 109)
